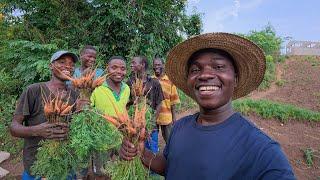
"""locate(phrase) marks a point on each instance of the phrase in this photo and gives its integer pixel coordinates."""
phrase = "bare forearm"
(19, 130)
(156, 162)
(173, 111)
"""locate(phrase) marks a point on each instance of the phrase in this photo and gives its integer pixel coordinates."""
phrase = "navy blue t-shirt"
(234, 149)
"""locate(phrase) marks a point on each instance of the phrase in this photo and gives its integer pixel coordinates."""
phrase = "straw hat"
(248, 57)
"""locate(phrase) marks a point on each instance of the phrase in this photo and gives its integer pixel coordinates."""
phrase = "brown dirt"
(301, 84)
(294, 137)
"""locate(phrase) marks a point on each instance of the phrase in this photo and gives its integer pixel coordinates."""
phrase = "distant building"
(303, 48)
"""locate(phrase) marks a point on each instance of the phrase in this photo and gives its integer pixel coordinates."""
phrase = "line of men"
(29, 121)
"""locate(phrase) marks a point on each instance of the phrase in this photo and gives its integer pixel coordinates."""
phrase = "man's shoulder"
(185, 121)
(252, 130)
(35, 86)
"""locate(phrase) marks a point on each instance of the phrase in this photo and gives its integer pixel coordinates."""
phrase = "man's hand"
(81, 103)
(56, 131)
(128, 150)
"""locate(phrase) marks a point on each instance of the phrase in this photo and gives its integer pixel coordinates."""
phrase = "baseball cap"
(58, 55)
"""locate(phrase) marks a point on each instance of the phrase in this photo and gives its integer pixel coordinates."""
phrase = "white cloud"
(216, 19)
(193, 1)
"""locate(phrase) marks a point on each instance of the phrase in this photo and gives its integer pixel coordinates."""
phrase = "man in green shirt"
(114, 93)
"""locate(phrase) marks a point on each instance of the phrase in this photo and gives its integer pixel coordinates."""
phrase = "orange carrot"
(67, 110)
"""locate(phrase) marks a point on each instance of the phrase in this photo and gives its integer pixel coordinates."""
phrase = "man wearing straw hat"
(216, 143)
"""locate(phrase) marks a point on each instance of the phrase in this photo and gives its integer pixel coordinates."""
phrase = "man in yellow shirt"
(114, 92)
(167, 114)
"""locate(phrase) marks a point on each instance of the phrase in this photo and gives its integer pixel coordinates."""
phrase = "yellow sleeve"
(174, 96)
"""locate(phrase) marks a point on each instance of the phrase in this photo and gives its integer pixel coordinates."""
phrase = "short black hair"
(221, 52)
(158, 58)
(87, 47)
(116, 57)
(143, 59)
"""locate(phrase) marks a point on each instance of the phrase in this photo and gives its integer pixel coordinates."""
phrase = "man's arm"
(173, 112)
(273, 164)
(45, 130)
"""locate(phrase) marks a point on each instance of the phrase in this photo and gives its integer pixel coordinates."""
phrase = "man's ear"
(51, 66)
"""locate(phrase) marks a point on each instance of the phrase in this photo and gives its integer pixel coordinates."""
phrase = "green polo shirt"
(104, 99)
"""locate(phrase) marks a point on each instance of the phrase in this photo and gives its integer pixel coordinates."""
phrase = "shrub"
(268, 109)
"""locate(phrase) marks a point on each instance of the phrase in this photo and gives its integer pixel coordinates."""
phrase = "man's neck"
(115, 86)
(160, 76)
(215, 116)
(56, 85)
(83, 68)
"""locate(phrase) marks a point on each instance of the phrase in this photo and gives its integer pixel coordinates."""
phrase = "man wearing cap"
(217, 142)
(29, 121)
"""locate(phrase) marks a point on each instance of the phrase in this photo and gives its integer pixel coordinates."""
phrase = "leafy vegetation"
(267, 40)
(268, 109)
(308, 154)
(269, 75)
(186, 102)
(54, 160)
(89, 132)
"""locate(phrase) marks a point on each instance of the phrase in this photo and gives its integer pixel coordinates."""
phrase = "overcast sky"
(299, 19)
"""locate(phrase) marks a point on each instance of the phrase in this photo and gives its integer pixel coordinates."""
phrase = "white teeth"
(66, 72)
(208, 88)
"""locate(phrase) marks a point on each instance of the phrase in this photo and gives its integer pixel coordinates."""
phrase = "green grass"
(280, 82)
(268, 109)
(313, 60)
(309, 156)
(185, 102)
(270, 74)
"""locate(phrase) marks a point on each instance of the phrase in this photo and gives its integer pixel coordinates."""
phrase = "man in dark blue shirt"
(216, 143)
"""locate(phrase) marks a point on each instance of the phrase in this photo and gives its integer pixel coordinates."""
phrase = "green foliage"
(25, 61)
(186, 102)
(89, 132)
(266, 39)
(269, 75)
(309, 156)
(268, 109)
(281, 59)
(7, 142)
(124, 28)
(313, 60)
(129, 170)
(54, 160)
(280, 82)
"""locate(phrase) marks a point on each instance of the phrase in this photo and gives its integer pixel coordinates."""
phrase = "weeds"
(280, 82)
(268, 109)
(186, 102)
(313, 60)
(309, 156)
(269, 75)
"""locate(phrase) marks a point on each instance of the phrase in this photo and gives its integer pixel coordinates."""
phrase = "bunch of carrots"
(133, 128)
(55, 108)
(87, 82)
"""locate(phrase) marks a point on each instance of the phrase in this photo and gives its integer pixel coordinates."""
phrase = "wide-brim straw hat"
(249, 60)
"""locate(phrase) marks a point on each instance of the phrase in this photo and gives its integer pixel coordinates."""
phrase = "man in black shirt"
(29, 121)
(139, 67)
